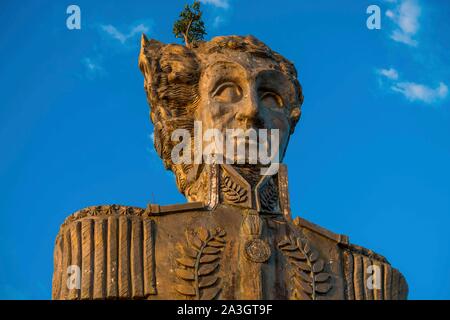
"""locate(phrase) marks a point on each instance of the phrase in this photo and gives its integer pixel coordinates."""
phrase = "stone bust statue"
(235, 237)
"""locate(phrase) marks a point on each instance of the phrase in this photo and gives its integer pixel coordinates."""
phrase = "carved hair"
(171, 79)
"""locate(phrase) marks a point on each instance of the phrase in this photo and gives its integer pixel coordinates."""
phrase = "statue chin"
(235, 238)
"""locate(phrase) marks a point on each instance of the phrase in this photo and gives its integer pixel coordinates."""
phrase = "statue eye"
(228, 92)
(271, 100)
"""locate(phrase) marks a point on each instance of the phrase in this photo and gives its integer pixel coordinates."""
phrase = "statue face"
(240, 91)
(229, 83)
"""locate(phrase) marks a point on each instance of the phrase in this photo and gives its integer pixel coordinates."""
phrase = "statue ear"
(295, 116)
(149, 57)
(150, 47)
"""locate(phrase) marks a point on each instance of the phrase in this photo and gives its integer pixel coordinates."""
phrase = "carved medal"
(257, 250)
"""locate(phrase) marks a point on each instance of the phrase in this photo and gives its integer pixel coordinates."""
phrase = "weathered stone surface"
(235, 238)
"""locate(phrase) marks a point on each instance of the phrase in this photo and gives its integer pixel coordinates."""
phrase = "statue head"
(230, 82)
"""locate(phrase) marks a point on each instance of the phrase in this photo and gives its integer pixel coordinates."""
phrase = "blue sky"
(370, 157)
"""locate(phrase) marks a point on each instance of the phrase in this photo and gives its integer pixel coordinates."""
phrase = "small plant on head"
(190, 26)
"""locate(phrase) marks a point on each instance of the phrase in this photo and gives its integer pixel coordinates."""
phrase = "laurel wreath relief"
(232, 191)
(310, 282)
(269, 196)
(199, 263)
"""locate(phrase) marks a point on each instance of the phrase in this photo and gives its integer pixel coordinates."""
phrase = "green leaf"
(190, 24)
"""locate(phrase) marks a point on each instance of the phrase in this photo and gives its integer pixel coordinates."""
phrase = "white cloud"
(224, 4)
(406, 17)
(405, 38)
(220, 6)
(419, 92)
(140, 28)
(389, 73)
(218, 21)
(122, 37)
(405, 14)
(93, 67)
(113, 32)
(411, 90)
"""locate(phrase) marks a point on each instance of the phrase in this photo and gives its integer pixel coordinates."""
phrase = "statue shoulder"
(103, 211)
(316, 230)
(370, 276)
(367, 274)
(91, 254)
(108, 251)
(152, 210)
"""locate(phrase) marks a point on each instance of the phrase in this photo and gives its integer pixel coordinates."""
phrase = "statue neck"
(241, 186)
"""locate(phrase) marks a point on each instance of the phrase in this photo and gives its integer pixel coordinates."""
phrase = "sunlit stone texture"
(234, 238)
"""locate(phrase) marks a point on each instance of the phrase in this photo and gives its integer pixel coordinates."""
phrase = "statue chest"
(115, 252)
(233, 253)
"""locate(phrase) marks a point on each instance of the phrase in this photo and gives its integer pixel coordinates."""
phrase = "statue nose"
(249, 111)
